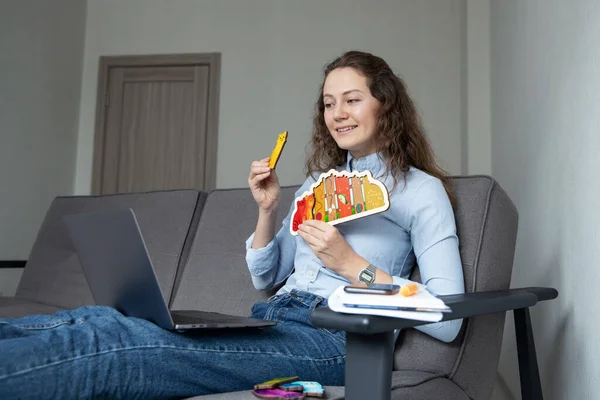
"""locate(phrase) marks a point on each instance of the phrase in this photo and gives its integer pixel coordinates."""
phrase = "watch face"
(366, 276)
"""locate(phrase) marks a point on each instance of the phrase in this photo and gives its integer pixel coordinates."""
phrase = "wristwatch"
(367, 275)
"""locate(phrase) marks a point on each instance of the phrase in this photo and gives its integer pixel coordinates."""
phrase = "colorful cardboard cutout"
(340, 196)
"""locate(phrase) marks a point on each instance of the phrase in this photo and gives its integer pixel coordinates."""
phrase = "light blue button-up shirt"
(418, 227)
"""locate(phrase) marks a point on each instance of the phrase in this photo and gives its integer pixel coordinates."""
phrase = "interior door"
(155, 131)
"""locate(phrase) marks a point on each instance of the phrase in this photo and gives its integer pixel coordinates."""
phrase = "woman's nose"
(340, 113)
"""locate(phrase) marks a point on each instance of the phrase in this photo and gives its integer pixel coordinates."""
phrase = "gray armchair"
(424, 368)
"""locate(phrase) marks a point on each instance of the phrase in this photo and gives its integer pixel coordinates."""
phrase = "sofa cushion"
(53, 274)
(14, 307)
(216, 276)
(419, 385)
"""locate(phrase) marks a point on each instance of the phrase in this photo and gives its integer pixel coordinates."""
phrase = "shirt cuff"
(260, 260)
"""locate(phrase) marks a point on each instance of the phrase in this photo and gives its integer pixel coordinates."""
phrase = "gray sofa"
(196, 242)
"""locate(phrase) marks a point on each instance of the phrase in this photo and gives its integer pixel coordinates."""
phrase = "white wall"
(545, 152)
(273, 52)
(41, 50)
(477, 134)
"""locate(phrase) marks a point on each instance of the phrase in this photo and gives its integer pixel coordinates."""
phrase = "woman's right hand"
(264, 185)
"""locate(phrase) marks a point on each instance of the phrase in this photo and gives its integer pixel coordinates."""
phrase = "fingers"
(260, 177)
(258, 167)
(325, 233)
(309, 229)
(259, 170)
(315, 237)
(306, 228)
(318, 225)
(312, 241)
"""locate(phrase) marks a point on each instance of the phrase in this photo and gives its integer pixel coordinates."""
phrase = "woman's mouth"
(346, 129)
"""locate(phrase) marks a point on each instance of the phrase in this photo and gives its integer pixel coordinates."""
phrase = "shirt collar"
(373, 162)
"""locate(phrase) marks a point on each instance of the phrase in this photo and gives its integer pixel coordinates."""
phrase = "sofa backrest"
(216, 276)
(486, 221)
(53, 273)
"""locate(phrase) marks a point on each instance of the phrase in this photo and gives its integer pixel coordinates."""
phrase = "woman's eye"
(328, 105)
(353, 101)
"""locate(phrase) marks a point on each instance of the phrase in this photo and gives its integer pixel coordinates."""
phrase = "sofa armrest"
(542, 293)
(370, 339)
(463, 306)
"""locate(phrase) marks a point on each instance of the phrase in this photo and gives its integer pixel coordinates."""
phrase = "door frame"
(212, 60)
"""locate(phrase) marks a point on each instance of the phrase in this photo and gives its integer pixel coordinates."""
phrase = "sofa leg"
(369, 366)
(531, 386)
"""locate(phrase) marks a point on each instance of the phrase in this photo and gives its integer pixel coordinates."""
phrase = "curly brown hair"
(400, 138)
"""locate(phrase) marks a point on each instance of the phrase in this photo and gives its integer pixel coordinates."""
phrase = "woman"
(364, 120)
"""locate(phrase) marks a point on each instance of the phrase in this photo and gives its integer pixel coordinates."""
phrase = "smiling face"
(351, 112)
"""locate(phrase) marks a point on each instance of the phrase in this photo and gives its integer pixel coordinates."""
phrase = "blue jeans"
(97, 352)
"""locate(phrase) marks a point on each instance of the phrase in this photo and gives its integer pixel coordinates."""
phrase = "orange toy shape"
(340, 196)
(409, 290)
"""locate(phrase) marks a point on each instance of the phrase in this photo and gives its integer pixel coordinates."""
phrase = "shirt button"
(310, 273)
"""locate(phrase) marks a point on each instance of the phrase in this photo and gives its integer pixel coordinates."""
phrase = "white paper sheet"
(423, 299)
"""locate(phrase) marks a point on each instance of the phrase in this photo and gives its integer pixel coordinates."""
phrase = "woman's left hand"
(328, 244)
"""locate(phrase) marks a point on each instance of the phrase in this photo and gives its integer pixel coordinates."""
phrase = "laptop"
(120, 274)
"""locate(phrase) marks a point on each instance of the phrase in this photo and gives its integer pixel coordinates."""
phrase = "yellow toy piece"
(281, 139)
